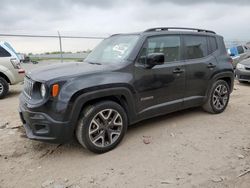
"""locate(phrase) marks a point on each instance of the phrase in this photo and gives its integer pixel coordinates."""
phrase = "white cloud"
(102, 18)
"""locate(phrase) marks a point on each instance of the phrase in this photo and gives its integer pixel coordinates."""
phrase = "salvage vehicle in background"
(10, 70)
(125, 79)
(239, 53)
(243, 71)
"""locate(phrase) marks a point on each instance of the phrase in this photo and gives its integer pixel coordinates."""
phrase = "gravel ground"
(189, 148)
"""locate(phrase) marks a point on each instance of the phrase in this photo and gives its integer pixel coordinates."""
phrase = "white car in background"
(10, 70)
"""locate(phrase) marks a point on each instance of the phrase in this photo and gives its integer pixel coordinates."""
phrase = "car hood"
(245, 62)
(65, 70)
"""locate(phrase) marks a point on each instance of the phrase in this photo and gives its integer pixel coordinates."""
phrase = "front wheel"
(102, 126)
(218, 97)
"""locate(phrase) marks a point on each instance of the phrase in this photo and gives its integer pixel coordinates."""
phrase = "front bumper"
(243, 75)
(40, 126)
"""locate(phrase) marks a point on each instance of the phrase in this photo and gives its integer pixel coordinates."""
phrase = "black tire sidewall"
(88, 116)
(219, 82)
(5, 87)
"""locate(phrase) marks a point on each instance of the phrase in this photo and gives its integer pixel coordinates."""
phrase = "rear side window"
(240, 49)
(4, 53)
(212, 47)
(195, 47)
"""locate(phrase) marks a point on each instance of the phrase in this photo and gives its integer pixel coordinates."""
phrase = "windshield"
(113, 50)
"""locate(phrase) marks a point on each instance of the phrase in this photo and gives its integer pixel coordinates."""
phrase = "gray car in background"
(243, 71)
(242, 52)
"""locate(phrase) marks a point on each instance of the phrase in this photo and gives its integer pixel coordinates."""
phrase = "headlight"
(240, 66)
(43, 90)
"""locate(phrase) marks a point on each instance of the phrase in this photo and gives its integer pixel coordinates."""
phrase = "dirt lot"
(187, 149)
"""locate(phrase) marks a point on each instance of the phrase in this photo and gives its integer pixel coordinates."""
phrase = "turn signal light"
(55, 90)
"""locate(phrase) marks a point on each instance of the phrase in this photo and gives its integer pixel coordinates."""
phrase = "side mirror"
(154, 59)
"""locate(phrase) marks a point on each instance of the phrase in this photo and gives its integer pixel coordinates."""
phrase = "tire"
(102, 126)
(218, 97)
(4, 88)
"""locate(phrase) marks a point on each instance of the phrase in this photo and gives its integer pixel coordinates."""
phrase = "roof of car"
(178, 28)
(172, 30)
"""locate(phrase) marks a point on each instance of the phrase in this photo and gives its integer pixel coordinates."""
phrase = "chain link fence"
(61, 47)
(52, 47)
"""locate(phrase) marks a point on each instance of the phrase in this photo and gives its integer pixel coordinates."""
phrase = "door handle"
(178, 71)
(211, 65)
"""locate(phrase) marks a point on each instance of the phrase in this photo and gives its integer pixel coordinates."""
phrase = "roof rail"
(178, 28)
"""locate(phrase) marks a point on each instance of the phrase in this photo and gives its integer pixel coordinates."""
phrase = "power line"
(50, 36)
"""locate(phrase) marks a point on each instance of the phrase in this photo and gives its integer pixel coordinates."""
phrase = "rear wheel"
(102, 126)
(218, 97)
(4, 88)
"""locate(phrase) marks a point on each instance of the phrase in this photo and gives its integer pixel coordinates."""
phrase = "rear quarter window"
(212, 44)
(240, 49)
(4, 53)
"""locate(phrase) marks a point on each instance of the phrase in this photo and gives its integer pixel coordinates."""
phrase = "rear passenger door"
(200, 64)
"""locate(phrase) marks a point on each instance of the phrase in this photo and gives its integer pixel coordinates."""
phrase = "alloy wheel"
(105, 128)
(220, 97)
(1, 88)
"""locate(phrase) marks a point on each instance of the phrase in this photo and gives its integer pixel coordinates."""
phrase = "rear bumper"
(243, 75)
(14, 76)
(40, 126)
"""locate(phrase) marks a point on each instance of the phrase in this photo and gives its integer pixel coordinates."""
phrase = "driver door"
(160, 89)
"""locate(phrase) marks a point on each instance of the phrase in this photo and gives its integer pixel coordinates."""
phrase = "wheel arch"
(229, 82)
(122, 96)
(227, 76)
(2, 75)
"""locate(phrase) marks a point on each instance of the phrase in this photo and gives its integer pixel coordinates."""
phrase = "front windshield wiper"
(94, 63)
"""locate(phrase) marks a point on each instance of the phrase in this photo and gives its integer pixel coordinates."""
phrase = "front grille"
(245, 77)
(28, 87)
(247, 68)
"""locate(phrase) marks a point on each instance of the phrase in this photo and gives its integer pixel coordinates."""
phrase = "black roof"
(178, 28)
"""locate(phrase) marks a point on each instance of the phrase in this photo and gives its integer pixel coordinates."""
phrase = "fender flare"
(84, 98)
(5, 76)
(217, 76)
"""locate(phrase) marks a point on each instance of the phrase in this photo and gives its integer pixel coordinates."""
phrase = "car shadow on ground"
(163, 118)
(73, 147)
(244, 83)
(13, 93)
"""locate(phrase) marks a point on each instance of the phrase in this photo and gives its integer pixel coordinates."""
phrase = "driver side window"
(168, 45)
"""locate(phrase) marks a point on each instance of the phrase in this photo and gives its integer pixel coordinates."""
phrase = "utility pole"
(60, 42)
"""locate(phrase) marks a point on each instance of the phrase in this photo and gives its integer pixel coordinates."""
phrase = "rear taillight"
(15, 63)
(21, 71)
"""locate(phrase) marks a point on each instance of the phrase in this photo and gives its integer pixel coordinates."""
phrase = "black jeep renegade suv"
(125, 79)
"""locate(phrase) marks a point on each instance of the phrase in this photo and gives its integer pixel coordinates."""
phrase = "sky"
(229, 18)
